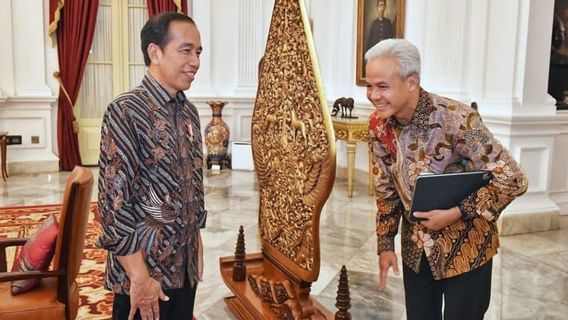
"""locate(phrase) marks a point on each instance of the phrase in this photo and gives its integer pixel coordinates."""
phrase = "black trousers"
(179, 307)
(466, 297)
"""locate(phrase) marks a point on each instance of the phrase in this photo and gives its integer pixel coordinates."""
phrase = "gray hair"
(402, 51)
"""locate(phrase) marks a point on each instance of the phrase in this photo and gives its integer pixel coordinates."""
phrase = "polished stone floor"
(530, 273)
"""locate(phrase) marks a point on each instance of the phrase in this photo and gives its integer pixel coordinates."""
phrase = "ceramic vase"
(217, 136)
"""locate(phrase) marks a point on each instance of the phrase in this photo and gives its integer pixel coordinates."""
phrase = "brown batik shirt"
(151, 185)
(443, 136)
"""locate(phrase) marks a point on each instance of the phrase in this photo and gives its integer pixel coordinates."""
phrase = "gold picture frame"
(367, 20)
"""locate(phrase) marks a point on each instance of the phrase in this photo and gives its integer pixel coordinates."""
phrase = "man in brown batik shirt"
(448, 255)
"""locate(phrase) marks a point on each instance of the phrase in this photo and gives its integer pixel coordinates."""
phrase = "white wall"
(27, 89)
(492, 52)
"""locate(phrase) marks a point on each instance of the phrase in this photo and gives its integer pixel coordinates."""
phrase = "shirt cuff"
(385, 244)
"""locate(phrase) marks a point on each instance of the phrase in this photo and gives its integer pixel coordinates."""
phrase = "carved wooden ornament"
(293, 144)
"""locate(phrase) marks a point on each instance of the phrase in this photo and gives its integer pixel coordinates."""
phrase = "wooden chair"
(57, 296)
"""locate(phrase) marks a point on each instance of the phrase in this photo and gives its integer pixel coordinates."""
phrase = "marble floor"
(530, 273)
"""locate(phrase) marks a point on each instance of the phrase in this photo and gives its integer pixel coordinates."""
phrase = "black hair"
(156, 31)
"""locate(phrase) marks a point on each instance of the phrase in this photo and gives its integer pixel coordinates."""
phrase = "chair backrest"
(72, 228)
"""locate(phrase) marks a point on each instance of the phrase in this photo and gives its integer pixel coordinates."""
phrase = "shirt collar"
(159, 93)
(421, 116)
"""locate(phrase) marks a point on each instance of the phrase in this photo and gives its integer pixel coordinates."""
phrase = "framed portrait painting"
(376, 20)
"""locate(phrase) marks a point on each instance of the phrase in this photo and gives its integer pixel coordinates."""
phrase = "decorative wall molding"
(40, 91)
(527, 125)
(31, 101)
(30, 116)
(560, 198)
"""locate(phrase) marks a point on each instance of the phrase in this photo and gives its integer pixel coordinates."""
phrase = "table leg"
(3, 155)
(351, 148)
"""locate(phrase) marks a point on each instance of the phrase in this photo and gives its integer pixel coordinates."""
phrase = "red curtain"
(73, 22)
(157, 6)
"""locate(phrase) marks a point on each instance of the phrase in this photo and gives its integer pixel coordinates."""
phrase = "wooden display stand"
(293, 148)
(274, 286)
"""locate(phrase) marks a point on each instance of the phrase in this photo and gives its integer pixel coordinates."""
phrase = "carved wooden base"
(247, 304)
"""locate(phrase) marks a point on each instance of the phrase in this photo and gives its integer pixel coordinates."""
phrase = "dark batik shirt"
(150, 185)
(443, 136)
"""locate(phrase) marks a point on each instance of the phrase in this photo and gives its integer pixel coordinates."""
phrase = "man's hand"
(387, 259)
(144, 295)
(439, 219)
(144, 291)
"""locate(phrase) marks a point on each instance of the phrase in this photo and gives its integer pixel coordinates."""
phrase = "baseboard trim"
(561, 200)
(33, 167)
(532, 212)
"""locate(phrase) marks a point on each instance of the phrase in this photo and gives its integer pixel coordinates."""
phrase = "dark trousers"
(466, 297)
(179, 307)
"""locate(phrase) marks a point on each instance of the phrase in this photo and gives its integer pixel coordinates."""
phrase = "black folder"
(445, 191)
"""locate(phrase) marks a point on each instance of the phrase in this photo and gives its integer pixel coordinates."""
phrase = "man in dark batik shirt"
(150, 180)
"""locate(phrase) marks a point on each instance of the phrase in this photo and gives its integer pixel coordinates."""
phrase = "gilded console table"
(352, 131)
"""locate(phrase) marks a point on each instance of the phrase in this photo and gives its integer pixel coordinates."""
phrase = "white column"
(29, 44)
(200, 11)
(27, 61)
(531, 81)
(513, 41)
(250, 46)
(443, 66)
(512, 95)
(6, 56)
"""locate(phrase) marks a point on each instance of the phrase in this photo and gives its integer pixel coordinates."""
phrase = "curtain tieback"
(57, 76)
(178, 5)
